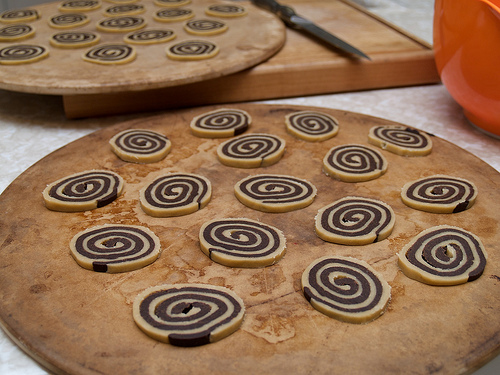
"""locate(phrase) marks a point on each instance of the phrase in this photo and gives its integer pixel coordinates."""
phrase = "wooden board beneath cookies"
(64, 72)
(75, 321)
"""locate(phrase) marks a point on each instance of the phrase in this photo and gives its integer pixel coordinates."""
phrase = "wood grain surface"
(249, 40)
(75, 321)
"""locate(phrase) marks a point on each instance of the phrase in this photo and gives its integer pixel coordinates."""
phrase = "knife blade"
(293, 20)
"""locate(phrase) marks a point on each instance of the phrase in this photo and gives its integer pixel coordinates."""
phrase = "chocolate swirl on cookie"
(79, 5)
(115, 248)
(16, 32)
(226, 10)
(251, 151)
(439, 194)
(19, 15)
(192, 50)
(346, 289)
(355, 221)
(110, 54)
(311, 125)
(173, 15)
(140, 146)
(224, 122)
(205, 27)
(22, 53)
(125, 9)
(443, 255)
(275, 193)
(354, 163)
(176, 194)
(242, 242)
(188, 314)
(74, 39)
(121, 24)
(401, 140)
(68, 20)
(83, 191)
(150, 36)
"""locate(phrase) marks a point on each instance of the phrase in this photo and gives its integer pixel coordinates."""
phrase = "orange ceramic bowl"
(467, 53)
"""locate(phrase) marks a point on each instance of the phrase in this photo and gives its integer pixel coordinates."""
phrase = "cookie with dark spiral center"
(140, 145)
(192, 50)
(79, 5)
(400, 140)
(173, 15)
(16, 32)
(68, 20)
(83, 191)
(311, 126)
(19, 15)
(22, 54)
(74, 39)
(439, 194)
(221, 123)
(275, 193)
(251, 151)
(346, 289)
(176, 194)
(354, 163)
(120, 24)
(443, 255)
(355, 221)
(225, 10)
(188, 314)
(107, 54)
(150, 36)
(205, 27)
(125, 9)
(240, 242)
(115, 248)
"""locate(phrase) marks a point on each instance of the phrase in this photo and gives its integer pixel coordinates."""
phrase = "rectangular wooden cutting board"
(302, 67)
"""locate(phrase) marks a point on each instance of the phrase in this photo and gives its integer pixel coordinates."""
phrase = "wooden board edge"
(407, 69)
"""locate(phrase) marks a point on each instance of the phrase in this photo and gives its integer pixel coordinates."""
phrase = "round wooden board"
(77, 321)
(249, 40)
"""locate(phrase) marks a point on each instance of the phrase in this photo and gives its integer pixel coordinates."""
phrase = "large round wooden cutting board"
(77, 321)
(249, 40)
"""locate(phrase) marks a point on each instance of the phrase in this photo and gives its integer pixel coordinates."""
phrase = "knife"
(293, 20)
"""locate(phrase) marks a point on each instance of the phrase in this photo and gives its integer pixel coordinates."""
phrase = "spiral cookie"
(173, 15)
(16, 32)
(115, 248)
(150, 36)
(400, 140)
(140, 146)
(205, 27)
(172, 3)
(312, 126)
(83, 191)
(354, 163)
(176, 194)
(346, 289)
(251, 151)
(19, 15)
(225, 10)
(79, 5)
(22, 54)
(239, 242)
(355, 221)
(125, 10)
(275, 193)
(192, 50)
(74, 39)
(221, 123)
(68, 20)
(188, 314)
(439, 194)
(121, 24)
(107, 54)
(443, 255)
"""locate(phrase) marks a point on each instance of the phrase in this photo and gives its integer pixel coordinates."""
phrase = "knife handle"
(282, 11)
